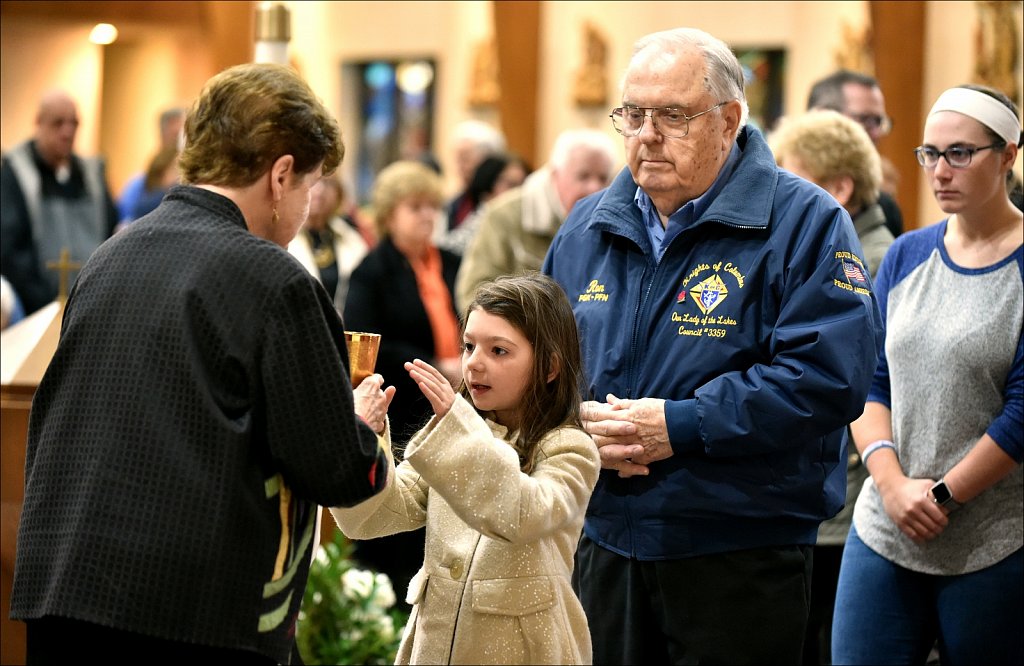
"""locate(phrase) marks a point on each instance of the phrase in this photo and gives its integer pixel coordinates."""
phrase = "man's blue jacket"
(760, 330)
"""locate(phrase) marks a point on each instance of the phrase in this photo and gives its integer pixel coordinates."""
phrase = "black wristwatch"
(943, 496)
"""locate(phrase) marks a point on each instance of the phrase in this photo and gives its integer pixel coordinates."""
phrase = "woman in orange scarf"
(403, 290)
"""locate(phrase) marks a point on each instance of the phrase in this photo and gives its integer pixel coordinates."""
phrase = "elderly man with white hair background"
(472, 141)
(516, 228)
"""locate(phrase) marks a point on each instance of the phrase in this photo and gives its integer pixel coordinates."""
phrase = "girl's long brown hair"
(536, 305)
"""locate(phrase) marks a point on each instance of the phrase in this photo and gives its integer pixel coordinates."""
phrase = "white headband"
(986, 109)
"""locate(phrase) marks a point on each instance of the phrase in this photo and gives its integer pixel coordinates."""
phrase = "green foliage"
(347, 614)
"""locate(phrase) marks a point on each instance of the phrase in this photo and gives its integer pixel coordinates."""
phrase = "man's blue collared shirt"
(661, 237)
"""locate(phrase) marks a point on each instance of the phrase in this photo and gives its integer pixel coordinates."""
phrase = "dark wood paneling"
(15, 403)
(231, 29)
(185, 12)
(228, 28)
(898, 44)
(517, 33)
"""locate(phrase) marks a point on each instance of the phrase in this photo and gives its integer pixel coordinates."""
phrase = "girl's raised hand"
(433, 384)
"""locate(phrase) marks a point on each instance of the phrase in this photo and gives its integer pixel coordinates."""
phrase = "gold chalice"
(362, 354)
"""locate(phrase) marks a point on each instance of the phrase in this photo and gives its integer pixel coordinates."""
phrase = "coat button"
(456, 569)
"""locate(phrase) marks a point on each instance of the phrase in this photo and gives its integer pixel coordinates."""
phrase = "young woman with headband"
(935, 552)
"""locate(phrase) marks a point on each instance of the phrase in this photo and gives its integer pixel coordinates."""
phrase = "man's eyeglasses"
(881, 125)
(669, 120)
(958, 157)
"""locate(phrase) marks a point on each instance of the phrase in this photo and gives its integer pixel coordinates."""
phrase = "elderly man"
(473, 141)
(729, 335)
(516, 229)
(859, 97)
(50, 199)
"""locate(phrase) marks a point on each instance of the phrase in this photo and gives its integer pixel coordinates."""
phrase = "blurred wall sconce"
(103, 34)
(273, 32)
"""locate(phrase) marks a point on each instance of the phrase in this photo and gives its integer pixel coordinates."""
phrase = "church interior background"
(563, 64)
(401, 75)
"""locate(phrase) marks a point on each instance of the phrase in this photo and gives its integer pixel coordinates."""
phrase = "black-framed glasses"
(958, 157)
(669, 120)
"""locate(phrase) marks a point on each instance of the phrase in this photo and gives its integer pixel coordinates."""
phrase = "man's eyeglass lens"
(670, 121)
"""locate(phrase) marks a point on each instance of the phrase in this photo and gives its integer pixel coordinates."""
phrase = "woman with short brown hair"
(198, 407)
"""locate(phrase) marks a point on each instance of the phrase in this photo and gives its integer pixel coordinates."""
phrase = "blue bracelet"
(874, 446)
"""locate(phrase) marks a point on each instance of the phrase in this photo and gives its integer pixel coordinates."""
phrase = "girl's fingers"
(434, 372)
(430, 390)
(423, 369)
(426, 380)
(432, 384)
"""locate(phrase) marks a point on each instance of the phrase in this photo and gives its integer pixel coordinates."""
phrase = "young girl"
(501, 477)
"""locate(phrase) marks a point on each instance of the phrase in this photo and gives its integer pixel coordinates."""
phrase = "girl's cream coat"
(495, 583)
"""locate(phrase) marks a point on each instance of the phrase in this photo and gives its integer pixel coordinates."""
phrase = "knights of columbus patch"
(708, 293)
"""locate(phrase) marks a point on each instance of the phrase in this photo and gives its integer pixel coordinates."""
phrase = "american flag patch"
(853, 272)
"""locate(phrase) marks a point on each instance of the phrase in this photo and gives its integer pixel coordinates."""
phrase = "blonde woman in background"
(835, 153)
(403, 290)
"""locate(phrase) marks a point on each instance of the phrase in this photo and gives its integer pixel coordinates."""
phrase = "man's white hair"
(570, 140)
(487, 138)
(723, 72)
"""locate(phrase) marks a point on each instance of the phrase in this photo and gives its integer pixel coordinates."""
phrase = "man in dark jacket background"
(51, 199)
(859, 97)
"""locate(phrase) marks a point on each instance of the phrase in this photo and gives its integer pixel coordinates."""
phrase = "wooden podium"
(25, 351)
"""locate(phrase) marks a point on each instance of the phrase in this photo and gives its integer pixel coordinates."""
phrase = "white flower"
(386, 628)
(321, 557)
(357, 583)
(384, 595)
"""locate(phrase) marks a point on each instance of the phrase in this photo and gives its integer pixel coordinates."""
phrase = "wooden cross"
(63, 267)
